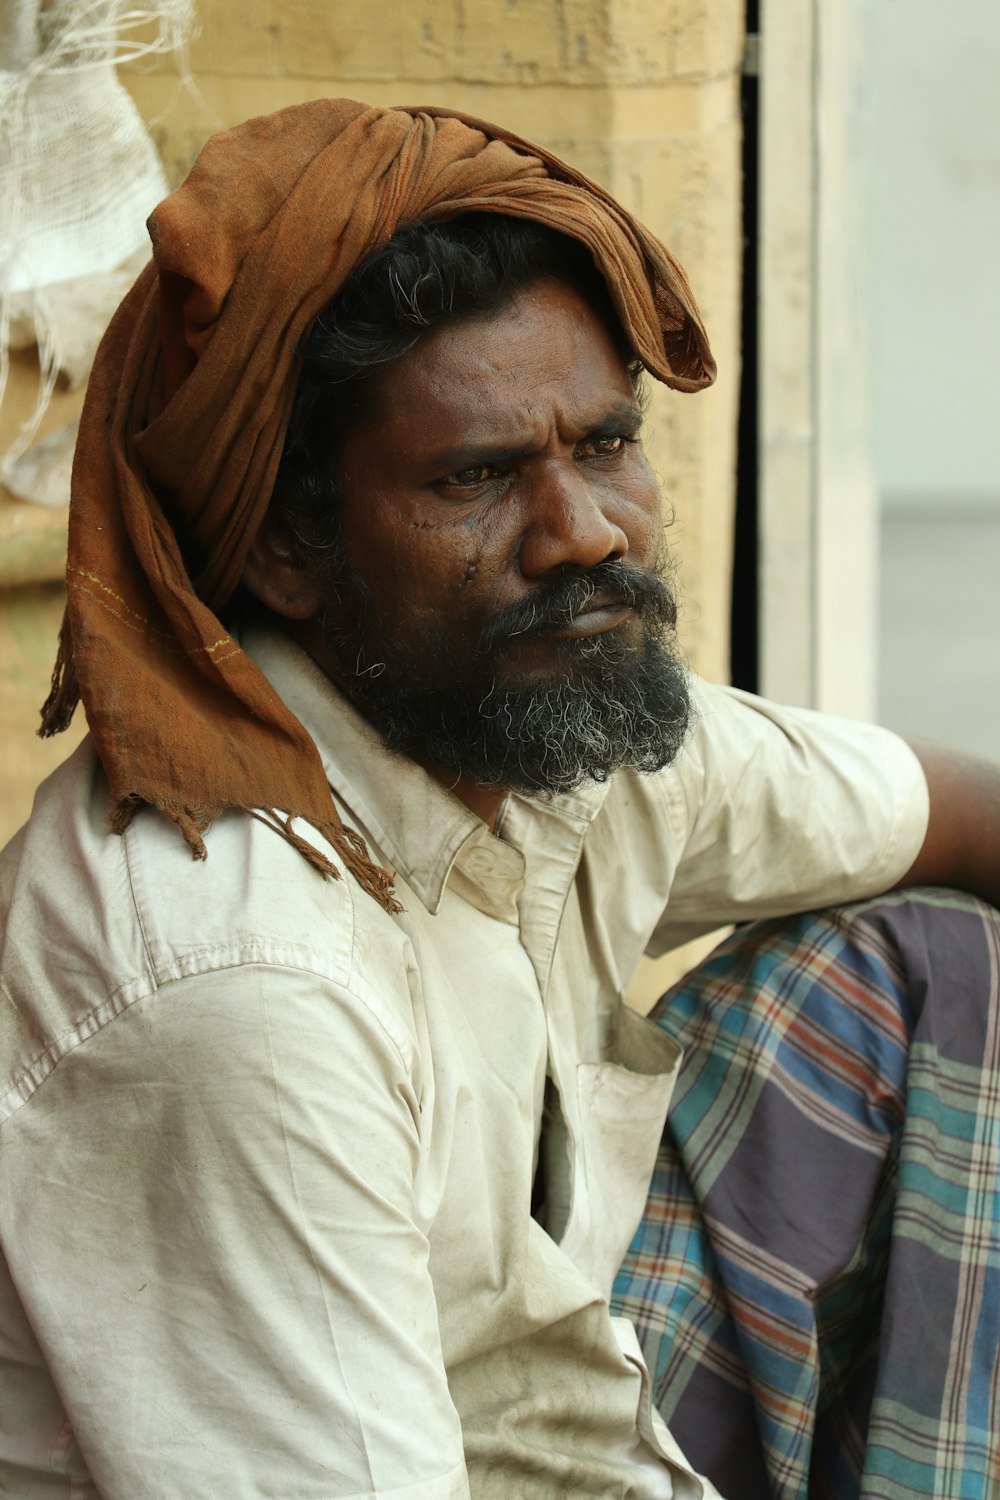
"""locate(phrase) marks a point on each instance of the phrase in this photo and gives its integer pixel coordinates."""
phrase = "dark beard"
(612, 704)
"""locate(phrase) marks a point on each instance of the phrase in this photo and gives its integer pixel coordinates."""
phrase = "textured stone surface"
(528, 42)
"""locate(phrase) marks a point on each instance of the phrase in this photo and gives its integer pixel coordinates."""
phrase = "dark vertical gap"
(743, 620)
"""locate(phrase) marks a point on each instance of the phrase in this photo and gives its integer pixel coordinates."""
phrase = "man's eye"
(466, 478)
(604, 447)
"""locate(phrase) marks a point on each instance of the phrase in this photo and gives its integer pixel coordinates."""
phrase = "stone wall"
(643, 95)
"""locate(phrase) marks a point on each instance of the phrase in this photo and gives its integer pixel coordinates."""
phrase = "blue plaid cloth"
(816, 1282)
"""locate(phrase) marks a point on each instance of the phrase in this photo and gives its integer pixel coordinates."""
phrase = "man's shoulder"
(253, 891)
(94, 921)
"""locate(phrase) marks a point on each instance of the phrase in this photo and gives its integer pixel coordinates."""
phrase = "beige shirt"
(267, 1153)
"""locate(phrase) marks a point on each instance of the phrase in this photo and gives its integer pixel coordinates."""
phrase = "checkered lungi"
(816, 1282)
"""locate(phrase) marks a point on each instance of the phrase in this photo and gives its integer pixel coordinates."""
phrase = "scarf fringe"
(372, 878)
(57, 711)
(64, 691)
(194, 823)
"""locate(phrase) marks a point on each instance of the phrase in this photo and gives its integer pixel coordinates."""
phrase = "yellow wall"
(641, 94)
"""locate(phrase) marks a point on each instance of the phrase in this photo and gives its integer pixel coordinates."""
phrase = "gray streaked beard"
(613, 706)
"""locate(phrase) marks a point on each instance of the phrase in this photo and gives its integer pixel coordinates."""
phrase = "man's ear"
(277, 574)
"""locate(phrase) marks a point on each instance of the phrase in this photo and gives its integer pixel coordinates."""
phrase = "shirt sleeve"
(779, 810)
(225, 1253)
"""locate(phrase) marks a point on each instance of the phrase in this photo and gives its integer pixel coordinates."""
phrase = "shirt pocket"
(621, 1108)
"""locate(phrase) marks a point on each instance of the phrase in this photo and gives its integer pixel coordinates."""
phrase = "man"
(319, 1186)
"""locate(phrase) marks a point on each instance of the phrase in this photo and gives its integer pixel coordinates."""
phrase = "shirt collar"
(419, 827)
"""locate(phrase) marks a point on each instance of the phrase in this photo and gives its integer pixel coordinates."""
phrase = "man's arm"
(962, 844)
(211, 1220)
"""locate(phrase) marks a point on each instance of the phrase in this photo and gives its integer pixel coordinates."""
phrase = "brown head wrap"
(187, 409)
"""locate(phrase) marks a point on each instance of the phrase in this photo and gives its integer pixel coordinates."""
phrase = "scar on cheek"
(468, 575)
(421, 525)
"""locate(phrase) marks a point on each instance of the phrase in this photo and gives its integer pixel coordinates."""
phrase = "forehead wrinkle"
(480, 379)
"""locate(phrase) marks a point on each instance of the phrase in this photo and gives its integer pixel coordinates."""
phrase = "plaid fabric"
(816, 1282)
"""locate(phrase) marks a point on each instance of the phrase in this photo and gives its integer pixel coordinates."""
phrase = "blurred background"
(934, 296)
(829, 174)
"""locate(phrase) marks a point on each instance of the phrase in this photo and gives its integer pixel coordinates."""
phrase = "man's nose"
(571, 523)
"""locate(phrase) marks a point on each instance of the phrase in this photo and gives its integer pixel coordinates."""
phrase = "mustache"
(558, 601)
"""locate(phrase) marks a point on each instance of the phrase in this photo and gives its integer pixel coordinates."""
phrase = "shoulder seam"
(26, 1083)
(135, 907)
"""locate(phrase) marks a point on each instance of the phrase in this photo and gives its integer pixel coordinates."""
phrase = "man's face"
(497, 598)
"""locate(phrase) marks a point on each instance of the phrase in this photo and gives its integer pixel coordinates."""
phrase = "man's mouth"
(577, 607)
(603, 611)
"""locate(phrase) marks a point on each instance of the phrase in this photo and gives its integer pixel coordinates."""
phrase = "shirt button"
(481, 862)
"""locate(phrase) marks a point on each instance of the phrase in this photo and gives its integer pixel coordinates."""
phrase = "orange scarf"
(186, 413)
